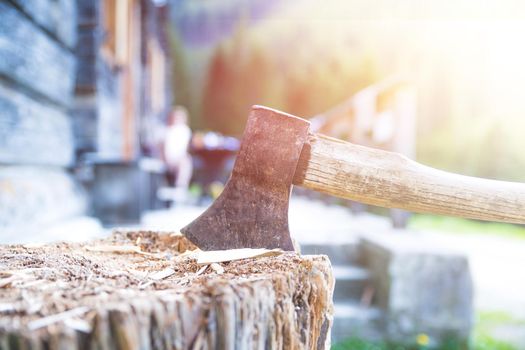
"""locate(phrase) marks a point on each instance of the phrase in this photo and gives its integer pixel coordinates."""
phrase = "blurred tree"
(180, 77)
(239, 76)
(303, 79)
(216, 91)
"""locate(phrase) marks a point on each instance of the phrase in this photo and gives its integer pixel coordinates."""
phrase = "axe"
(278, 150)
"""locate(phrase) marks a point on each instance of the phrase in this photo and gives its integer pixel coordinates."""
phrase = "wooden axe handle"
(391, 180)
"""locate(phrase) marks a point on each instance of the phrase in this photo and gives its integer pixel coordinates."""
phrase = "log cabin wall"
(37, 70)
(70, 99)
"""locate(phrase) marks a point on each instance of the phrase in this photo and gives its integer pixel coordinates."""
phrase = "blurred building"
(84, 90)
(122, 97)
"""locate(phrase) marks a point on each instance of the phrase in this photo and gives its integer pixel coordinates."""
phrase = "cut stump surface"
(145, 290)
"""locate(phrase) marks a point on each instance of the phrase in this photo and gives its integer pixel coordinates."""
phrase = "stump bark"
(145, 290)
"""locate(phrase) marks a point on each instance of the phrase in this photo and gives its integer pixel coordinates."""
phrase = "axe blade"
(252, 210)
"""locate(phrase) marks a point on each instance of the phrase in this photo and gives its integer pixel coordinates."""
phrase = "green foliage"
(486, 148)
(238, 77)
(179, 75)
(483, 339)
(247, 70)
(292, 60)
(356, 343)
(464, 226)
(486, 342)
(486, 322)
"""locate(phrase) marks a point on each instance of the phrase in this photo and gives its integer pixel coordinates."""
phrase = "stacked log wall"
(37, 72)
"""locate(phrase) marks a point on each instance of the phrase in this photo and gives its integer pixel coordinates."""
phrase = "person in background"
(177, 158)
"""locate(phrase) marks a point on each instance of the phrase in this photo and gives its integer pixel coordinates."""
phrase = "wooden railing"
(382, 115)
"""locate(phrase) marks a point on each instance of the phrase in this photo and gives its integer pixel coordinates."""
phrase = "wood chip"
(31, 283)
(217, 268)
(160, 275)
(7, 307)
(187, 254)
(119, 249)
(133, 272)
(114, 249)
(13, 276)
(78, 325)
(157, 276)
(201, 270)
(146, 284)
(34, 245)
(46, 321)
(6, 282)
(216, 256)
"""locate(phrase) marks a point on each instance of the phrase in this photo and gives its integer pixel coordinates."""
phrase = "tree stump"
(145, 290)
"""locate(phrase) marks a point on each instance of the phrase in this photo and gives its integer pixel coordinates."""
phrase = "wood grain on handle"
(391, 180)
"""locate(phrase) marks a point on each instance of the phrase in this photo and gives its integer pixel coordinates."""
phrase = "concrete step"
(339, 254)
(352, 319)
(350, 282)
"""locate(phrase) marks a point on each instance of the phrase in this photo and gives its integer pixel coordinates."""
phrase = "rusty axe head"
(252, 210)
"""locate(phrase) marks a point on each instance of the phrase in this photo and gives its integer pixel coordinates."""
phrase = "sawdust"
(63, 274)
(39, 285)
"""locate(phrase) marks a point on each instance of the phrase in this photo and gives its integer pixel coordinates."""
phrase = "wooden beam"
(57, 17)
(32, 59)
(32, 131)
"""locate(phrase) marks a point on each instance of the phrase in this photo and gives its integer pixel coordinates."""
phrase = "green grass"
(465, 226)
(482, 338)
(356, 343)
(486, 318)
(486, 342)
(486, 322)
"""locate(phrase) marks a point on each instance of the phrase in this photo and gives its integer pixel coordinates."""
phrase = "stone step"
(339, 254)
(350, 282)
(352, 319)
